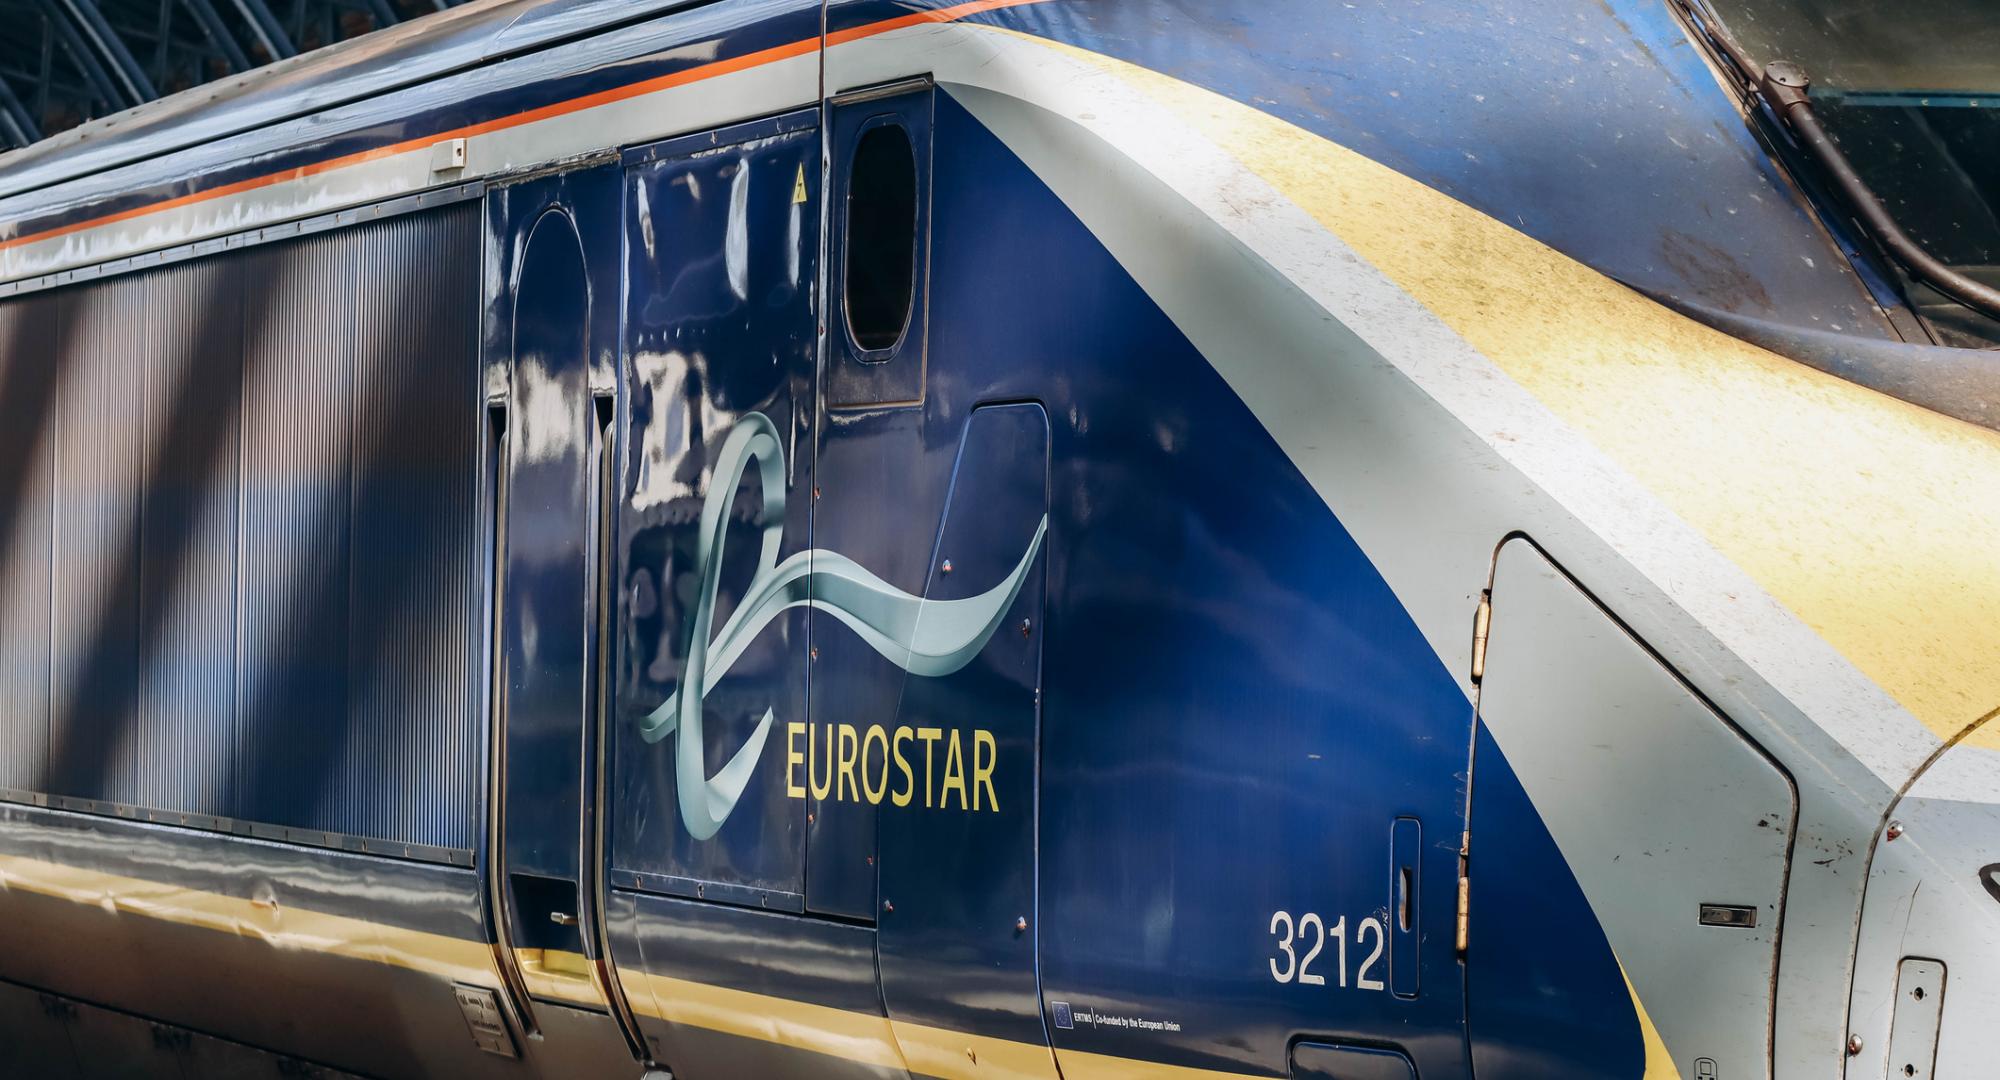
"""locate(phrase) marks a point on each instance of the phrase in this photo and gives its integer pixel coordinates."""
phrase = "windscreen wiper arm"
(1787, 91)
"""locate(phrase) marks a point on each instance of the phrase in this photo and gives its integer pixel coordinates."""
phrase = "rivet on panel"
(1894, 830)
(946, 568)
(1853, 1045)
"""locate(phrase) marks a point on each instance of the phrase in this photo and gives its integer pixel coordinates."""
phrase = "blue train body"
(1032, 538)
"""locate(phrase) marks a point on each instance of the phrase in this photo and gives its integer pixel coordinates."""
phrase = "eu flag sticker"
(1063, 1019)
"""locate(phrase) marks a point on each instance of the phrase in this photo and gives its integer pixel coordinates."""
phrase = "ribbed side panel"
(413, 625)
(298, 415)
(191, 344)
(99, 466)
(239, 569)
(27, 380)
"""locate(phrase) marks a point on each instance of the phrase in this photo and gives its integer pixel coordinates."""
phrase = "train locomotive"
(1017, 539)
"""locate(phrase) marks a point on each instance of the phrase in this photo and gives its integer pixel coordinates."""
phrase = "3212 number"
(1293, 936)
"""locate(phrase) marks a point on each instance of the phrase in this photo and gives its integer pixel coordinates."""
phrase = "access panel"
(545, 628)
(1629, 853)
(553, 241)
(882, 465)
(955, 774)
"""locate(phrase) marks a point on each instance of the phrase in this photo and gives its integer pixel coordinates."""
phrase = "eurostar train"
(1018, 539)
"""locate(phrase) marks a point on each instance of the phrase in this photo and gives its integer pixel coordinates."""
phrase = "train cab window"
(878, 251)
(880, 275)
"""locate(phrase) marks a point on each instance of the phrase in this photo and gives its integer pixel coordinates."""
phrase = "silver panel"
(1934, 896)
(259, 100)
(1659, 806)
(268, 234)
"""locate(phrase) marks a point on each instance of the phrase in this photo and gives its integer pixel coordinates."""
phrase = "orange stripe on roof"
(940, 15)
(616, 94)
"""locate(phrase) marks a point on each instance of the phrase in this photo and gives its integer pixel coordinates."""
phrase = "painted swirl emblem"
(928, 638)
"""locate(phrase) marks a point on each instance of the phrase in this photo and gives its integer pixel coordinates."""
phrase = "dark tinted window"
(1911, 93)
(881, 237)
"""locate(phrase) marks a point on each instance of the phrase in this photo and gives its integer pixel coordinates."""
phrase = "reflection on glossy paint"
(659, 375)
(545, 415)
(925, 638)
(736, 238)
(717, 327)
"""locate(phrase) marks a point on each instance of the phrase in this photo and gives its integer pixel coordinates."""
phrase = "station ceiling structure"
(63, 62)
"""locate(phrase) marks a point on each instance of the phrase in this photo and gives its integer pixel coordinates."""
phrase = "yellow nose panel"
(1876, 522)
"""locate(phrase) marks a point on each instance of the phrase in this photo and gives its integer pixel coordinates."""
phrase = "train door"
(923, 747)
(709, 851)
(1629, 850)
(551, 393)
(959, 921)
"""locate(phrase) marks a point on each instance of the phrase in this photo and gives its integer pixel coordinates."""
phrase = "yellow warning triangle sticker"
(799, 186)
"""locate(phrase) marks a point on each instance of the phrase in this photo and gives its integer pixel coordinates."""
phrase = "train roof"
(408, 54)
(1621, 152)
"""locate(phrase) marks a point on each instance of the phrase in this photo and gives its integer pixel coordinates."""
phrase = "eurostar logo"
(928, 638)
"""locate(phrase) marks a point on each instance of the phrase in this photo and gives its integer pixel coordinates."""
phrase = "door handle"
(1405, 851)
(595, 851)
(499, 904)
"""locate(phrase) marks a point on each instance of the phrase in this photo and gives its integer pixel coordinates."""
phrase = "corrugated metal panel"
(191, 344)
(94, 597)
(264, 601)
(414, 625)
(292, 588)
(27, 379)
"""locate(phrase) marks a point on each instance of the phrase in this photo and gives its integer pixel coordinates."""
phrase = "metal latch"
(1464, 912)
(1463, 932)
(1913, 1033)
(1737, 915)
(1482, 625)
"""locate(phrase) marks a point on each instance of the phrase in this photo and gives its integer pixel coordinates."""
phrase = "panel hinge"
(1482, 623)
(1464, 886)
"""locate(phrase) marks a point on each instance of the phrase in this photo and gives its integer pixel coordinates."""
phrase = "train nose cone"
(1927, 968)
